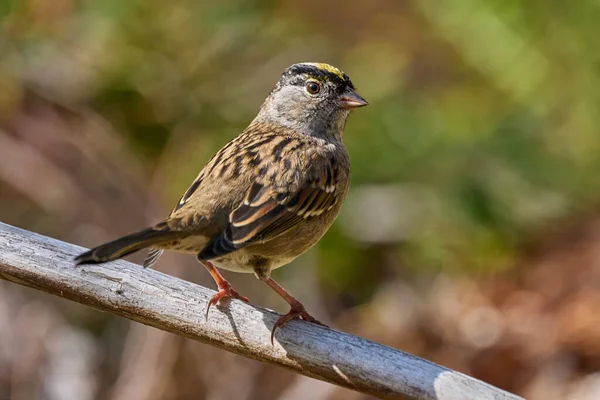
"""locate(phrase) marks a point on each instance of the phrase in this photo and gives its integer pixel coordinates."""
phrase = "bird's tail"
(127, 245)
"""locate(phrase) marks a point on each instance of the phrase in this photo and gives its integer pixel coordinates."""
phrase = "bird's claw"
(225, 291)
(296, 312)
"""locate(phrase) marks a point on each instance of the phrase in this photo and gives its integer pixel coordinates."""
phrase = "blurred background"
(471, 236)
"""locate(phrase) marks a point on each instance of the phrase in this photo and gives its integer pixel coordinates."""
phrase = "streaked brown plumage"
(268, 195)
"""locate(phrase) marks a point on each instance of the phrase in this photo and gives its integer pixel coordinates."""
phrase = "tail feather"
(126, 245)
(152, 257)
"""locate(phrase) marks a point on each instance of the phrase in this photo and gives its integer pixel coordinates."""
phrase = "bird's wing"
(154, 254)
(190, 220)
(270, 210)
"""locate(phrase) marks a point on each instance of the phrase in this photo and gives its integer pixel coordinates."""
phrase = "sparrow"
(268, 195)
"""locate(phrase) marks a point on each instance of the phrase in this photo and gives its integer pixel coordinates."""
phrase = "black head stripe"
(297, 73)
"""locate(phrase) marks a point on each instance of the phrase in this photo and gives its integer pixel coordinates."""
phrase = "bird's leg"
(297, 310)
(225, 289)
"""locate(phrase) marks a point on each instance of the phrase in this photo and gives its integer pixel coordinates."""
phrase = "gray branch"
(178, 306)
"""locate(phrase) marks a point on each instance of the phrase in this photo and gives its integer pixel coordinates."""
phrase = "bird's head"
(312, 98)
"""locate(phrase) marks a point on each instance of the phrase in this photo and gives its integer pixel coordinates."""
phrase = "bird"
(268, 195)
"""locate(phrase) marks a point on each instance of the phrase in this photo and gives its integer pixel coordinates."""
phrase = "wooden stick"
(177, 306)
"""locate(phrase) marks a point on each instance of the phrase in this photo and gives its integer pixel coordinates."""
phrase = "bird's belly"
(242, 261)
(235, 262)
(275, 253)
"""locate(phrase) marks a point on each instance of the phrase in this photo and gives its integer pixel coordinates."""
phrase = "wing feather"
(267, 212)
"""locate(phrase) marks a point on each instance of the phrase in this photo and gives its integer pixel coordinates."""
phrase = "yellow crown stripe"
(328, 68)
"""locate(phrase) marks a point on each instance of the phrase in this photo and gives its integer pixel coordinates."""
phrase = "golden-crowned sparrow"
(269, 195)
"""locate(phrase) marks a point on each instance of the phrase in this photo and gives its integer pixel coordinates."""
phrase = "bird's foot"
(225, 291)
(297, 311)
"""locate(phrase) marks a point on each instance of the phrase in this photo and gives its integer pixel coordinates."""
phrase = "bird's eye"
(313, 87)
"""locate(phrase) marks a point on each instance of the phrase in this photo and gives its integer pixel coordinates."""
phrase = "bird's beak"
(350, 99)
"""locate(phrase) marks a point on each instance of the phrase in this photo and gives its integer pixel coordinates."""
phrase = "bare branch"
(177, 306)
